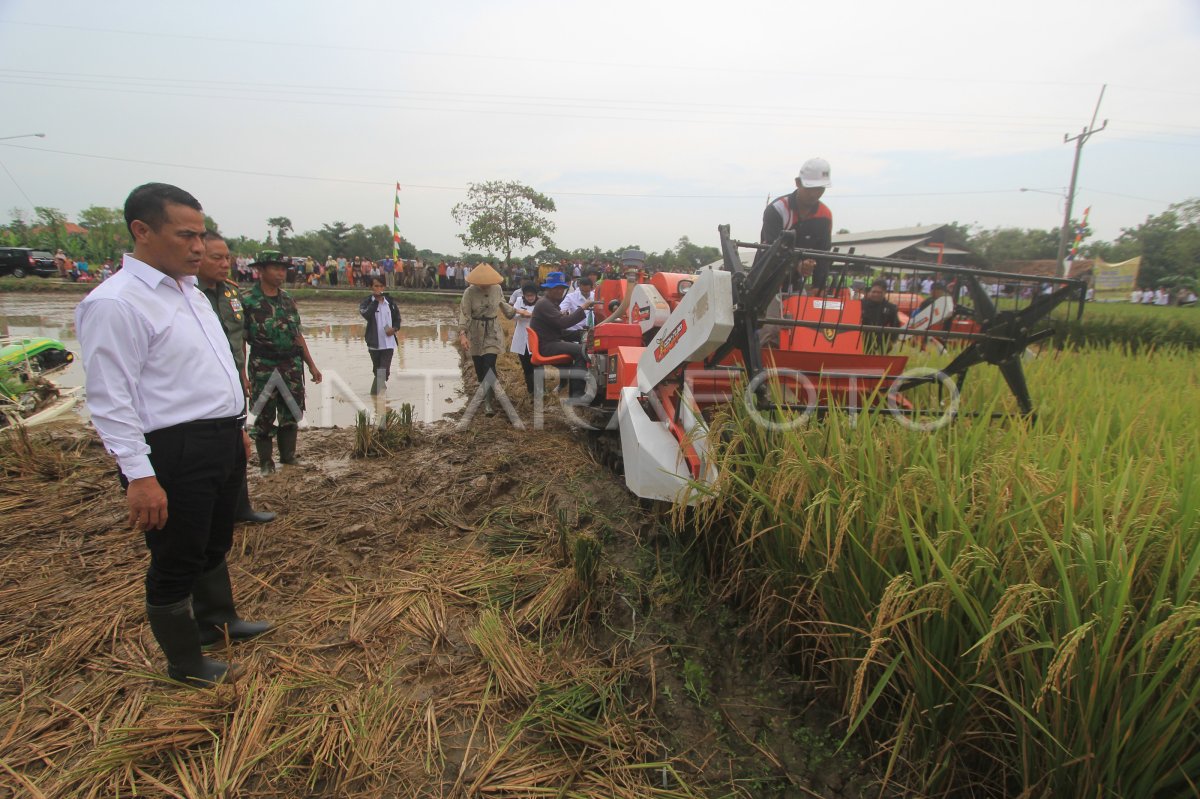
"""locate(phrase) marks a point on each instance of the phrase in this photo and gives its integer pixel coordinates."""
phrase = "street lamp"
(1062, 193)
(24, 136)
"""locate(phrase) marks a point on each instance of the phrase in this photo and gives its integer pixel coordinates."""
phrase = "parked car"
(22, 261)
(47, 267)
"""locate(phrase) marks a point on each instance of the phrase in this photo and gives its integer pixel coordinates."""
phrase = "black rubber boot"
(177, 636)
(246, 513)
(266, 463)
(287, 445)
(212, 600)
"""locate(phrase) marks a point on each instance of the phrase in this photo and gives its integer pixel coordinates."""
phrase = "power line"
(257, 173)
(18, 185)
(810, 121)
(640, 67)
(135, 81)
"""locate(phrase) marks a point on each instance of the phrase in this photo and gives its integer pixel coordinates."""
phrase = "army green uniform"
(272, 326)
(226, 300)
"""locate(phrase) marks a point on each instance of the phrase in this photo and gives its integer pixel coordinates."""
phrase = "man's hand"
(316, 374)
(147, 504)
(246, 443)
(389, 331)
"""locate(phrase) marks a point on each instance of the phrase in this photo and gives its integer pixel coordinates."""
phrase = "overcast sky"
(645, 121)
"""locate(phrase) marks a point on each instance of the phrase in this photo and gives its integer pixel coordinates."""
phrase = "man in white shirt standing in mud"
(166, 399)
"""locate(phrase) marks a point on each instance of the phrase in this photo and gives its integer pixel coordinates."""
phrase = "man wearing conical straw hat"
(479, 326)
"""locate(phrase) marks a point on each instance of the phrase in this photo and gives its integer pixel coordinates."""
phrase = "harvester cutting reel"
(994, 316)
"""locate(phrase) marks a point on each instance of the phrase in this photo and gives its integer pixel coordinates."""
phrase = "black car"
(22, 261)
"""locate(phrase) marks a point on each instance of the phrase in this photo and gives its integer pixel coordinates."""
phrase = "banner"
(396, 228)
(1115, 281)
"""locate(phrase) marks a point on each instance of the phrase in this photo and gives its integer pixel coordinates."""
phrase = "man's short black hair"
(529, 288)
(149, 201)
(881, 282)
(213, 235)
(584, 281)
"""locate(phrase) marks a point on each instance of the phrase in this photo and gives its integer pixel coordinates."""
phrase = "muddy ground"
(482, 612)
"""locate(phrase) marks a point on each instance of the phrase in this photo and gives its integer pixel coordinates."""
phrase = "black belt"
(226, 423)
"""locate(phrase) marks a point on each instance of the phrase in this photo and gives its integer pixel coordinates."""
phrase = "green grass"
(1133, 328)
(1009, 607)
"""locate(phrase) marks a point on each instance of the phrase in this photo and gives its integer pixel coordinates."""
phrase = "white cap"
(814, 174)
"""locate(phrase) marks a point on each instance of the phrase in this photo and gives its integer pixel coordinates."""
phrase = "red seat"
(538, 359)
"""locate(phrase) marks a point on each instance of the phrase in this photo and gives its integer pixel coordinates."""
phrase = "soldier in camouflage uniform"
(276, 347)
(226, 299)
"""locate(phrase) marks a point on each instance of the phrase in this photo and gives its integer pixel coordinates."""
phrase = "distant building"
(69, 229)
(925, 243)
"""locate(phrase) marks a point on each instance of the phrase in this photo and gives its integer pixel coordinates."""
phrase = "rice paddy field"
(857, 609)
(1004, 609)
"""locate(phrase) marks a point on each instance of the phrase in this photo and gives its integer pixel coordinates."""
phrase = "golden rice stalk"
(504, 651)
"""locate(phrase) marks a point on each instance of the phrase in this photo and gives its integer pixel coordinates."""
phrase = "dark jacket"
(549, 322)
(367, 309)
(878, 314)
(814, 232)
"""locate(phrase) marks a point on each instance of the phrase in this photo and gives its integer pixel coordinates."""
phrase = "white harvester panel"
(648, 308)
(700, 323)
(653, 463)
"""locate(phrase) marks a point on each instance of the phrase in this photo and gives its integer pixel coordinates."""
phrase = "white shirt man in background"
(576, 298)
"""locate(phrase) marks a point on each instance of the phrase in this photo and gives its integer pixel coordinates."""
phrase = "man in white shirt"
(576, 298)
(166, 399)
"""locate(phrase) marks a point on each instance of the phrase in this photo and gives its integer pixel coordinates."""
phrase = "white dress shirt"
(571, 302)
(155, 355)
(383, 320)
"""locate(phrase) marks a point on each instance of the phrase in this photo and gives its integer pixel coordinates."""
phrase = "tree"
(503, 216)
(51, 230)
(107, 236)
(1169, 244)
(335, 235)
(691, 256)
(999, 245)
(282, 226)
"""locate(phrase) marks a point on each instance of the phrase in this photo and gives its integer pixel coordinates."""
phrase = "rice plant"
(1010, 607)
(385, 435)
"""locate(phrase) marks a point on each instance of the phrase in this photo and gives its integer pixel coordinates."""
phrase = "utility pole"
(1065, 234)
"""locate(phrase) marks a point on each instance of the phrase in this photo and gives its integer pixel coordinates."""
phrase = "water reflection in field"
(425, 368)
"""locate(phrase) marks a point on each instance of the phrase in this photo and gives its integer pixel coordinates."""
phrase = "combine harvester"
(670, 350)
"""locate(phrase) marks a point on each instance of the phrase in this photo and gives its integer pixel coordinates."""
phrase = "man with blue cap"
(549, 322)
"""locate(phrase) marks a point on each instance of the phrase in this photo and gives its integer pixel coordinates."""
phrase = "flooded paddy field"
(425, 370)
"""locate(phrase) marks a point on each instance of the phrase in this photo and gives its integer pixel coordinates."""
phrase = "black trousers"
(380, 359)
(200, 466)
(527, 369)
(483, 365)
(579, 363)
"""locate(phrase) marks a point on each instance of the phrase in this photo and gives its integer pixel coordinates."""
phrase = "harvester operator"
(803, 212)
